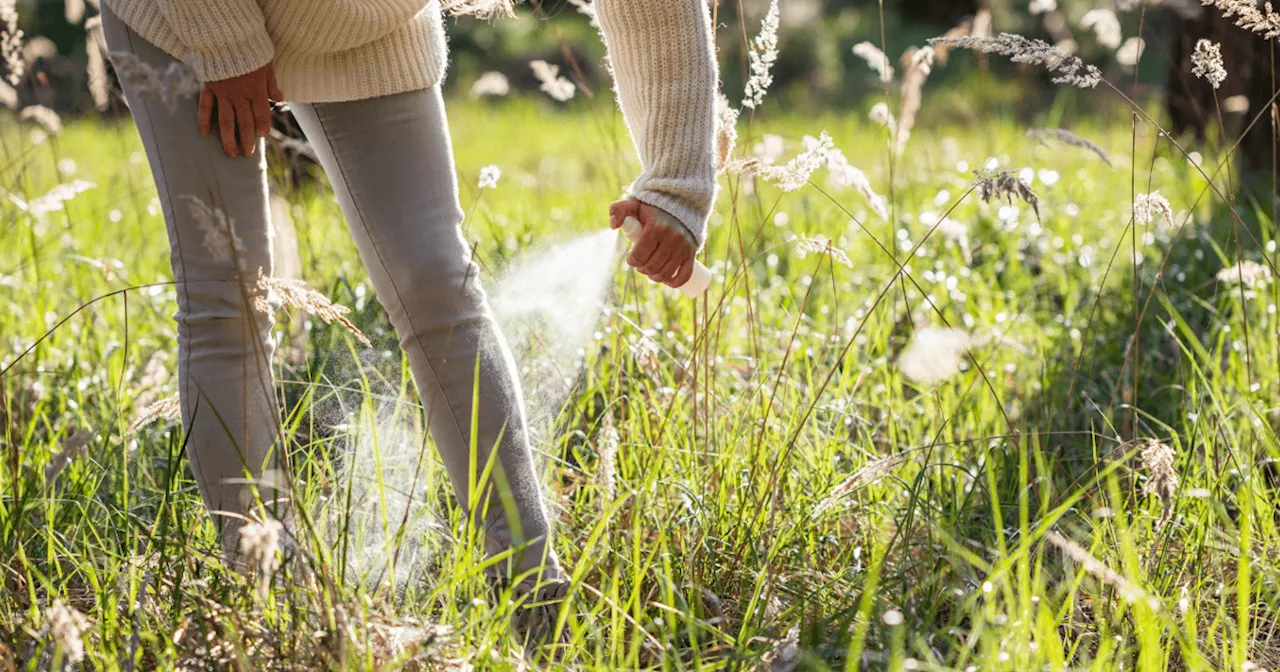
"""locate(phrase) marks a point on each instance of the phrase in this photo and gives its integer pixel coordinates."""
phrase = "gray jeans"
(390, 161)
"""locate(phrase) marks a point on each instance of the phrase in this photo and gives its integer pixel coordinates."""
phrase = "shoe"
(537, 615)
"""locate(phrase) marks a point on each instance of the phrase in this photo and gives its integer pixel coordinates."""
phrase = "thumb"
(621, 210)
(273, 90)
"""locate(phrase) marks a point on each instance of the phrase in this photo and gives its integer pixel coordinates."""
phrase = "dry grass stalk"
(1247, 14)
(1097, 569)
(763, 54)
(918, 64)
(276, 292)
(868, 474)
(1158, 459)
(166, 409)
(1068, 69)
(1006, 185)
(1068, 138)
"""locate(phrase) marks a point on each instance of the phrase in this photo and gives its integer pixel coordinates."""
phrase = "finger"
(273, 90)
(244, 117)
(643, 250)
(205, 113)
(669, 269)
(262, 116)
(227, 125)
(684, 275)
(658, 261)
(619, 211)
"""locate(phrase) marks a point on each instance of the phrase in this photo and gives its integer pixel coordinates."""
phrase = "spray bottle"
(698, 282)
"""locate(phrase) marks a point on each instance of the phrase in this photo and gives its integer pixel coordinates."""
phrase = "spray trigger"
(698, 282)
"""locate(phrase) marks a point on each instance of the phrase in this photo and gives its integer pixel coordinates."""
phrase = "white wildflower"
(553, 84)
(47, 118)
(1105, 25)
(1251, 274)
(490, 84)
(11, 42)
(763, 54)
(489, 176)
(1207, 60)
(934, 355)
(876, 60)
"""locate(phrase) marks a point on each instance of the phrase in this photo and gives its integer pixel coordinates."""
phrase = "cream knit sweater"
(335, 50)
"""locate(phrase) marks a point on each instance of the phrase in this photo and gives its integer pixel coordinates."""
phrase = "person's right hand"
(244, 102)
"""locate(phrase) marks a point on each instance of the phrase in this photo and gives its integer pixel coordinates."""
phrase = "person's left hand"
(663, 253)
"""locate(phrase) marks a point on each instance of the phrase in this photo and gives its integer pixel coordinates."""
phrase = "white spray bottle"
(698, 282)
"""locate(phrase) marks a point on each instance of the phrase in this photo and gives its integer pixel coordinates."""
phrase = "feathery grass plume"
(260, 543)
(66, 627)
(1105, 26)
(553, 84)
(45, 117)
(1043, 6)
(876, 60)
(1236, 104)
(1131, 52)
(606, 459)
(1006, 185)
(1251, 274)
(489, 176)
(1246, 14)
(844, 175)
(1147, 206)
(1068, 138)
(868, 474)
(276, 292)
(220, 237)
(72, 448)
(763, 54)
(934, 355)
(57, 197)
(797, 172)
(96, 68)
(170, 86)
(1207, 60)
(587, 9)
(1068, 69)
(1158, 459)
(880, 114)
(8, 95)
(770, 148)
(491, 83)
(166, 409)
(482, 8)
(1095, 568)
(919, 63)
(74, 10)
(726, 131)
(821, 245)
(11, 42)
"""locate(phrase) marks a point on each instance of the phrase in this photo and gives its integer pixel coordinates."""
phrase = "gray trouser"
(391, 164)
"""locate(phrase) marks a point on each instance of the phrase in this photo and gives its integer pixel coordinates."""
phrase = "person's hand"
(663, 252)
(244, 103)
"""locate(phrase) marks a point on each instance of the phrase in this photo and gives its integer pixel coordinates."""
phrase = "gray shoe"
(537, 614)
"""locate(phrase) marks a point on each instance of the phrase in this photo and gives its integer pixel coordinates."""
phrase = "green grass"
(778, 387)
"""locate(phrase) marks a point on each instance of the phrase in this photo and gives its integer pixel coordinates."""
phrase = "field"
(1010, 441)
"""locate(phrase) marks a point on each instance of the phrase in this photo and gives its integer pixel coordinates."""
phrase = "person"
(363, 79)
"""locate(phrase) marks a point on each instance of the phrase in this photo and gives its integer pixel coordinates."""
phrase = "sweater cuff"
(235, 59)
(693, 222)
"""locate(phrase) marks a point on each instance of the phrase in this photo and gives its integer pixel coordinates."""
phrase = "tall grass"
(1083, 477)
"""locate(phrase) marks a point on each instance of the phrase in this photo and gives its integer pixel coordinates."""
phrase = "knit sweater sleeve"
(227, 38)
(664, 68)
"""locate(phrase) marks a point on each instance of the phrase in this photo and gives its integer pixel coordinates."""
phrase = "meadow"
(951, 435)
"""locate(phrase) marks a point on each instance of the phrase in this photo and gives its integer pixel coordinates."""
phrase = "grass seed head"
(169, 408)
(1068, 69)
(1068, 138)
(489, 176)
(45, 117)
(1148, 206)
(553, 84)
(1006, 185)
(934, 355)
(169, 86)
(726, 131)
(606, 458)
(481, 8)
(1251, 274)
(1247, 14)
(1207, 63)
(67, 627)
(1096, 568)
(821, 245)
(876, 60)
(220, 238)
(490, 84)
(1158, 460)
(763, 54)
(1105, 26)
(11, 42)
(279, 292)
(868, 474)
(260, 542)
